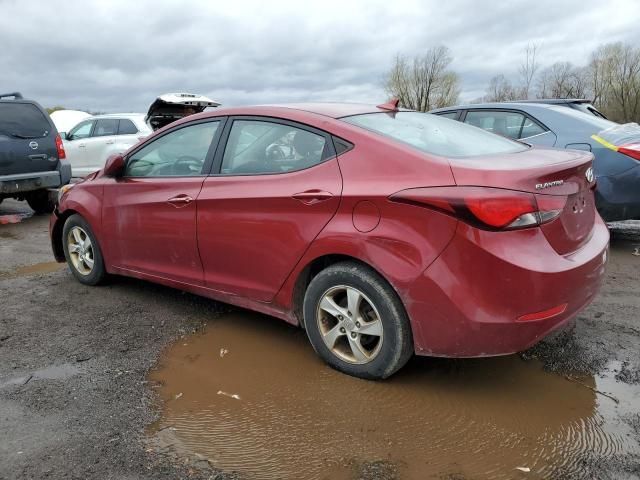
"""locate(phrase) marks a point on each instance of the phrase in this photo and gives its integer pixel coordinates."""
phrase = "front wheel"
(356, 322)
(82, 251)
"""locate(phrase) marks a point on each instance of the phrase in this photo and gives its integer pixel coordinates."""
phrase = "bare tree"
(424, 82)
(500, 90)
(562, 80)
(528, 69)
(614, 77)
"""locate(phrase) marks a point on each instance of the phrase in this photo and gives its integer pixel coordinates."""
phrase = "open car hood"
(170, 107)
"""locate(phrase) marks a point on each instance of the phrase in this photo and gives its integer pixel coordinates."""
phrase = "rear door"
(128, 134)
(27, 139)
(277, 185)
(150, 212)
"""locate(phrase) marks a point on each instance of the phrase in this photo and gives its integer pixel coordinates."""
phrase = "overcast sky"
(119, 55)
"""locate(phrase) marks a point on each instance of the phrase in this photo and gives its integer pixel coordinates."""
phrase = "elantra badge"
(33, 145)
(589, 174)
(555, 183)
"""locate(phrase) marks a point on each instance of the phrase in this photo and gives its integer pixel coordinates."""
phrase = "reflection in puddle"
(251, 396)
(14, 218)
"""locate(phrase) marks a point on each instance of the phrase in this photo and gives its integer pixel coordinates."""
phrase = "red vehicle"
(382, 232)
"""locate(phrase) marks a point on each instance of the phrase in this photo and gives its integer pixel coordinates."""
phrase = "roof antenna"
(390, 105)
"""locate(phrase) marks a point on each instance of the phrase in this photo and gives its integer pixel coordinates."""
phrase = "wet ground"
(134, 380)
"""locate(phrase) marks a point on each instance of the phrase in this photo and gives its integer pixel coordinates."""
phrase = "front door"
(151, 210)
(75, 147)
(279, 184)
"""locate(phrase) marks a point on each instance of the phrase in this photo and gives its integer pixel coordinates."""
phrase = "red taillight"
(487, 208)
(632, 150)
(60, 148)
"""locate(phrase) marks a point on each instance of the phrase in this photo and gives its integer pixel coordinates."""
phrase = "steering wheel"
(187, 165)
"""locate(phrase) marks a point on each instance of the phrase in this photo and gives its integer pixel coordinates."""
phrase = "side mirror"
(114, 167)
(64, 135)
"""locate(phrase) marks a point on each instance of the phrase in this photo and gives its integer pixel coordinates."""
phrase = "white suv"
(92, 141)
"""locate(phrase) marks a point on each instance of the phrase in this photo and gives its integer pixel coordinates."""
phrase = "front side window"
(434, 134)
(106, 127)
(82, 130)
(257, 147)
(507, 124)
(181, 153)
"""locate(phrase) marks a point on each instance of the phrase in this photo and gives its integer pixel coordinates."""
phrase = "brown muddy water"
(38, 268)
(249, 395)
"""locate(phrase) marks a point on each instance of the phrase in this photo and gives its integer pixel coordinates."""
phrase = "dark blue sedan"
(616, 147)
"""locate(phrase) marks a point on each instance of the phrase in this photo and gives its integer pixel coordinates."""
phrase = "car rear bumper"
(618, 196)
(28, 182)
(469, 301)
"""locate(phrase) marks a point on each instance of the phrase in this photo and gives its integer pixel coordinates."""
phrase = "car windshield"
(22, 120)
(434, 134)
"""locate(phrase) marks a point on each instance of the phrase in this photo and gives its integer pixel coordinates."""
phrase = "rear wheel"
(356, 322)
(82, 251)
(40, 201)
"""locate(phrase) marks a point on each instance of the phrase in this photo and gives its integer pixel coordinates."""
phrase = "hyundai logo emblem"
(33, 145)
(589, 174)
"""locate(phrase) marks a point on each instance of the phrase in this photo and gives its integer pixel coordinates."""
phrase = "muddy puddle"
(249, 395)
(38, 268)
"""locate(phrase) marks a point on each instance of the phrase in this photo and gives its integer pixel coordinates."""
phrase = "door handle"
(82, 145)
(109, 142)
(311, 197)
(180, 200)
(42, 156)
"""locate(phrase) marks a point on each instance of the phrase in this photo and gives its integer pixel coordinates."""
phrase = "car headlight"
(64, 189)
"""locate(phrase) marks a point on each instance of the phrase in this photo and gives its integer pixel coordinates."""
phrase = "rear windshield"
(596, 122)
(22, 120)
(435, 134)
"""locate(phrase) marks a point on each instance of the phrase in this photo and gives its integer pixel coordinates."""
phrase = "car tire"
(329, 320)
(40, 201)
(84, 258)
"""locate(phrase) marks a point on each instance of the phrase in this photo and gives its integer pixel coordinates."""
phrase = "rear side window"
(434, 134)
(22, 120)
(507, 124)
(105, 127)
(126, 127)
(257, 147)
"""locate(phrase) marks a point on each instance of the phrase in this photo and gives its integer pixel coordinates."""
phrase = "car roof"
(556, 101)
(328, 109)
(116, 115)
(492, 105)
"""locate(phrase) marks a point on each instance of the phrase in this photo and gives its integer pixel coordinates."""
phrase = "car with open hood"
(170, 107)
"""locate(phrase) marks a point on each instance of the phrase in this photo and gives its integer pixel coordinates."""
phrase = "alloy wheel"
(80, 250)
(350, 324)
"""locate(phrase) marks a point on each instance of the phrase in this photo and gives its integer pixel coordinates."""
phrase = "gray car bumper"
(28, 182)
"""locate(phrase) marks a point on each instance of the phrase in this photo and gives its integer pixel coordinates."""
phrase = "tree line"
(611, 80)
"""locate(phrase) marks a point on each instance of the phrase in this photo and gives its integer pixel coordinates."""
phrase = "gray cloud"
(117, 56)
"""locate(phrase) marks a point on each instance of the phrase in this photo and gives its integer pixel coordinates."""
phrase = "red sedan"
(382, 232)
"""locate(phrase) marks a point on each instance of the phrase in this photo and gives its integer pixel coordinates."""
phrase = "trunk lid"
(548, 174)
(170, 107)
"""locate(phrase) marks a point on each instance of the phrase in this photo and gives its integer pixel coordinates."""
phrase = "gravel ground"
(74, 402)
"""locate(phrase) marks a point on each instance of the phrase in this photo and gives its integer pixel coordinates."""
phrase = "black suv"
(32, 158)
